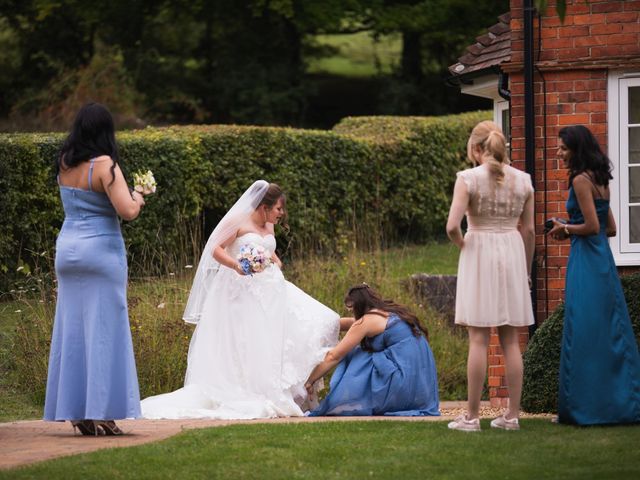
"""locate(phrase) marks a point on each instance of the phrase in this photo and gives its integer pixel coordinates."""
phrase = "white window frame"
(624, 252)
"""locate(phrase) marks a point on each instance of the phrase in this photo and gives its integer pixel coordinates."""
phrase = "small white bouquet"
(253, 259)
(143, 182)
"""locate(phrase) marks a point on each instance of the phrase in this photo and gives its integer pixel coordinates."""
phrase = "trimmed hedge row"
(349, 185)
(542, 358)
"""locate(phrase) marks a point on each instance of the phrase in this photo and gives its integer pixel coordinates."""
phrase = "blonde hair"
(494, 147)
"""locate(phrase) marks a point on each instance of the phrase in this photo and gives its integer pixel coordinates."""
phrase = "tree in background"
(434, 34)
(216, 61)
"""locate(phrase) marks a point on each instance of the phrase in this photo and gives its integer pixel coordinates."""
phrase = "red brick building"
(542, 74)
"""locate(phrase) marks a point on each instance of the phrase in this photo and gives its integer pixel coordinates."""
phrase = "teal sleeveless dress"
(599, 362)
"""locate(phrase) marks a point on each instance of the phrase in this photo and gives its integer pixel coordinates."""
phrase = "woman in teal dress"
(384, 365)
(599, 362)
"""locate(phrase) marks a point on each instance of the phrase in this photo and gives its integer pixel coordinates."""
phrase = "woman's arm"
(275, 259)
(222, 257)
(528, 230)
(345, 323)
(611, 225)
(126, 203)
(591, 226)
(367, 326)
(456, 212)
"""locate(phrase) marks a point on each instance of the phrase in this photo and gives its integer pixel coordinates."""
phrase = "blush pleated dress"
(492, 285)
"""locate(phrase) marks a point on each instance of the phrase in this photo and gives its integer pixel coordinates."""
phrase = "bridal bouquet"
(253, 259)
(144, 182)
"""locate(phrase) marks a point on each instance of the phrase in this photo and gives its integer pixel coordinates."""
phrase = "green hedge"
(345, 186)
(542, 358)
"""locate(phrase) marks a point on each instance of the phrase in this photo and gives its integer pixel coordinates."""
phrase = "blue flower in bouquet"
(245, 264)
(253, 259)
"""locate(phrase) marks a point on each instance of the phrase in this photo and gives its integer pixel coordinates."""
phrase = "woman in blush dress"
(599, 361)
(257, 335)
(494, 265)
(92, 373)
(384, 365)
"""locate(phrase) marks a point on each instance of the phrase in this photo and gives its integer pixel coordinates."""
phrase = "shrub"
(542, 358)
(369, 189)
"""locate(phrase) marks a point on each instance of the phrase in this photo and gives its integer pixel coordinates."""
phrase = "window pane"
(506, 127)
(634, 145)
(634, 185)
(634, 224)
(634, 104)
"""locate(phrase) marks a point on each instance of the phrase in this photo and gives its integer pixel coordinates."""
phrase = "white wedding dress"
(257, 340)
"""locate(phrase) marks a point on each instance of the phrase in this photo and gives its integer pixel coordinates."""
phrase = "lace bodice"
(267, 241)
(494, 206)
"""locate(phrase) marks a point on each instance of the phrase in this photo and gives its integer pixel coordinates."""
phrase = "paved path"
(29, 441)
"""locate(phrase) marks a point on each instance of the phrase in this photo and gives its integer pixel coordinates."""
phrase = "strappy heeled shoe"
(87, 427)
(109, 427)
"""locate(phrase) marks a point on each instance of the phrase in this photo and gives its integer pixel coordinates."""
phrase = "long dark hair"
(586, 155)
(92, 135)
(362, 298)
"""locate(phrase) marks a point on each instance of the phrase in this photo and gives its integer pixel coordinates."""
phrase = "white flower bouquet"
(143, 182)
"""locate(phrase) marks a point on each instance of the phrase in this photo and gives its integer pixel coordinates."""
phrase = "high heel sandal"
(87, 427)
(109, 427)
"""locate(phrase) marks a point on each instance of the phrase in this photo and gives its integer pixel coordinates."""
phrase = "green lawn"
(398, 450)
(357, 54)
(434, 258)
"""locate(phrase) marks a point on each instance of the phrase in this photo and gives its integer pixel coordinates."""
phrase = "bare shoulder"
(581, 182)
(103, 163)
(374, 322)
(375, 317)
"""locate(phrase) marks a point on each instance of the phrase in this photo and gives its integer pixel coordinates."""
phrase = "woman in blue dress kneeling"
(384, 363)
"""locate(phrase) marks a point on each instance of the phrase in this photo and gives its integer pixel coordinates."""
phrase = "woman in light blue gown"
(384, 363)
(599, 361)
(92, 374)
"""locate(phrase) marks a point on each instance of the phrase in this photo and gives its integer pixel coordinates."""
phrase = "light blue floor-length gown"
(599, 362)
(397, 378)
(92, 372)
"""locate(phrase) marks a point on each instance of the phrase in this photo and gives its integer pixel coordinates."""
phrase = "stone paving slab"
(30, 441)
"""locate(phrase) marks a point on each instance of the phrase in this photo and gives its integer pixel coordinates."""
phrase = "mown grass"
(356, 54)
(161, 338)
(541, 450)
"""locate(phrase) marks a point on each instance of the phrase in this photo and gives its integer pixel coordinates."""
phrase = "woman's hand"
(138, 197)
(238, 268)
(308, 386)
(558, 231)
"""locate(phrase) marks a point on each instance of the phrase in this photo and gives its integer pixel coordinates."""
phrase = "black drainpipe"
(529, 126)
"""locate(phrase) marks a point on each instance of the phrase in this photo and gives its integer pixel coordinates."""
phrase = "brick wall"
(573, 62)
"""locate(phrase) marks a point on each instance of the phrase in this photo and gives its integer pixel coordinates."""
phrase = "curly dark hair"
(362, 298)
(586, 155)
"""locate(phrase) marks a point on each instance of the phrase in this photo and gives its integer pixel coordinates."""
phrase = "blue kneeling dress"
(397, 378)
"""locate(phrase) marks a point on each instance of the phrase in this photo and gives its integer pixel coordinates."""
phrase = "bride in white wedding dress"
(258, 336)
